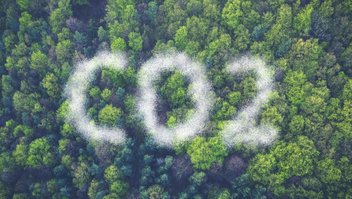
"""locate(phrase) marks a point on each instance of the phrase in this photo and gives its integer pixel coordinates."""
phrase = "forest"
(306, 44)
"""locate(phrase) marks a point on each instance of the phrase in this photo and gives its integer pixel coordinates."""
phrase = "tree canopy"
(307, 46)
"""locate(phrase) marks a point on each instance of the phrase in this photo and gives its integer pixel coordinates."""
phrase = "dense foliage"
(308, 45)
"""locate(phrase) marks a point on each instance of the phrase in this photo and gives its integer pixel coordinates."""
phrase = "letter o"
(200, 90)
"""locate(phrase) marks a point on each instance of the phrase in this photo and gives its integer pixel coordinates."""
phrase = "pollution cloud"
(241, 130)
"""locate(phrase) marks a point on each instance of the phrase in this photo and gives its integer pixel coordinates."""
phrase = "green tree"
(282, 162)
(94, 92)
(239, 12)
(23, 4)
(181, 37)
(135, 41)
(112, 174)
(119, 189)
(218, 49)
(224, 110)
(109, 115)
(175, 90)
(303, 21)
(106, 94)
(204, 153)
(118, 45)
(234, 97)
(278, 39)
(242, 40)
(327, 171)
(345, 167)
(26, 103)
(25, 20)
(51, 85)
(40, 153)
(346, 56)
(59, 15)
(93, 189)
(122, 18)
(22, 130)
(296, 125)
(81, 175)
(197, 178)
(347, 90)
(20, 154)
(39, 62)
(232, 13)
(172, 15)
(272, 116)
(295, 81)
(305, 56)
(157, 192)
(64, 50)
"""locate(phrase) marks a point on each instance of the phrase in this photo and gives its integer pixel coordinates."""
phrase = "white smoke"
(243, 129)
(200, 91)
(76, 90)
